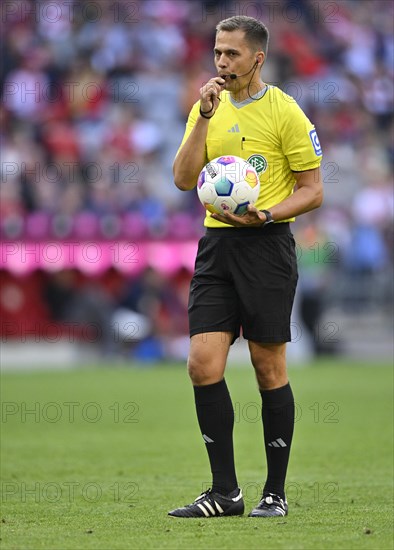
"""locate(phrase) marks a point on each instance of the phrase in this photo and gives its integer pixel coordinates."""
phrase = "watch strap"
(269, 218)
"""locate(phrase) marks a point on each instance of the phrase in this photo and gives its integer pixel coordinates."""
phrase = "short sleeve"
(300, 142)
(191, 121)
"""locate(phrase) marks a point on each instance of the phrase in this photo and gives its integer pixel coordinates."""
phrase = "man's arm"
(308, 196)
(191, 158)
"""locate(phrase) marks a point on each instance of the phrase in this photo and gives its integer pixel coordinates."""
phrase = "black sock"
(215, 415)
(278, 422)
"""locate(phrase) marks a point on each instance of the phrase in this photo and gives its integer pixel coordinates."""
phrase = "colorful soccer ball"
(228, 184)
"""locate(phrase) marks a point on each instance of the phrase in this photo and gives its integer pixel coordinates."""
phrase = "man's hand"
(252, 218)
(209, 95)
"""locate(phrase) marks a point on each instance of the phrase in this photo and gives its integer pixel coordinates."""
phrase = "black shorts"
(244, 278)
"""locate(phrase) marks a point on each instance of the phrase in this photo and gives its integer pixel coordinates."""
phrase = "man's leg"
(269, 361)
(206, 365)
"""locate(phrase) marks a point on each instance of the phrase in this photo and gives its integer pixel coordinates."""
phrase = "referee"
(246, 271)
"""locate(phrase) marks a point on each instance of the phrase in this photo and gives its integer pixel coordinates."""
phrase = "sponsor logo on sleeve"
(315, 142)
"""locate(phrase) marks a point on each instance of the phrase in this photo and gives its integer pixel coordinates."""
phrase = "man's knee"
(207, 359)
(203, 372)
(269, 362)
(195, 369)
(270, 377)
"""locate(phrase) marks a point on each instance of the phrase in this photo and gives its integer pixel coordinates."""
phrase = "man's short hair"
(256, 33)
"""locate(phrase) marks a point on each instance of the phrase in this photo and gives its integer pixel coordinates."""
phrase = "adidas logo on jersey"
(235, 128)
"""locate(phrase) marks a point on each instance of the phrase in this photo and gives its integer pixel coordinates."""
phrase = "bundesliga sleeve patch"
(316, 143)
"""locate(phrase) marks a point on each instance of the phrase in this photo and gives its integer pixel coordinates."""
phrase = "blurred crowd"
(95, 96)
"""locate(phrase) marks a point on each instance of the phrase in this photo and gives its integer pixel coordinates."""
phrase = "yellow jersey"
(271, 132)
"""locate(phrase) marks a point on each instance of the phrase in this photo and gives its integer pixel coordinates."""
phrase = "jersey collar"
(251, 99)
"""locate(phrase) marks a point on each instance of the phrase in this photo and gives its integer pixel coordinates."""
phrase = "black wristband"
(206, 112)
(203, 113)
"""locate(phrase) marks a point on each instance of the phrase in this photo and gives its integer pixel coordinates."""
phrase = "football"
(228, 184)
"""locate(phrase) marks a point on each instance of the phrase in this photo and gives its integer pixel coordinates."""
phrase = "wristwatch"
(269, 218)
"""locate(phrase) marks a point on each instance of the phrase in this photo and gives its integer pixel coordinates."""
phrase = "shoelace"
(270, 499)
(205, 494)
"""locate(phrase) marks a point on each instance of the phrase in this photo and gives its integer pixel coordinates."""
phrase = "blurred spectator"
(83, 304)
(318, 261)
(101, 94)
(156, 299)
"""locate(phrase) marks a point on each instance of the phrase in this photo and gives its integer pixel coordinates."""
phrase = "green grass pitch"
(94, 458)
